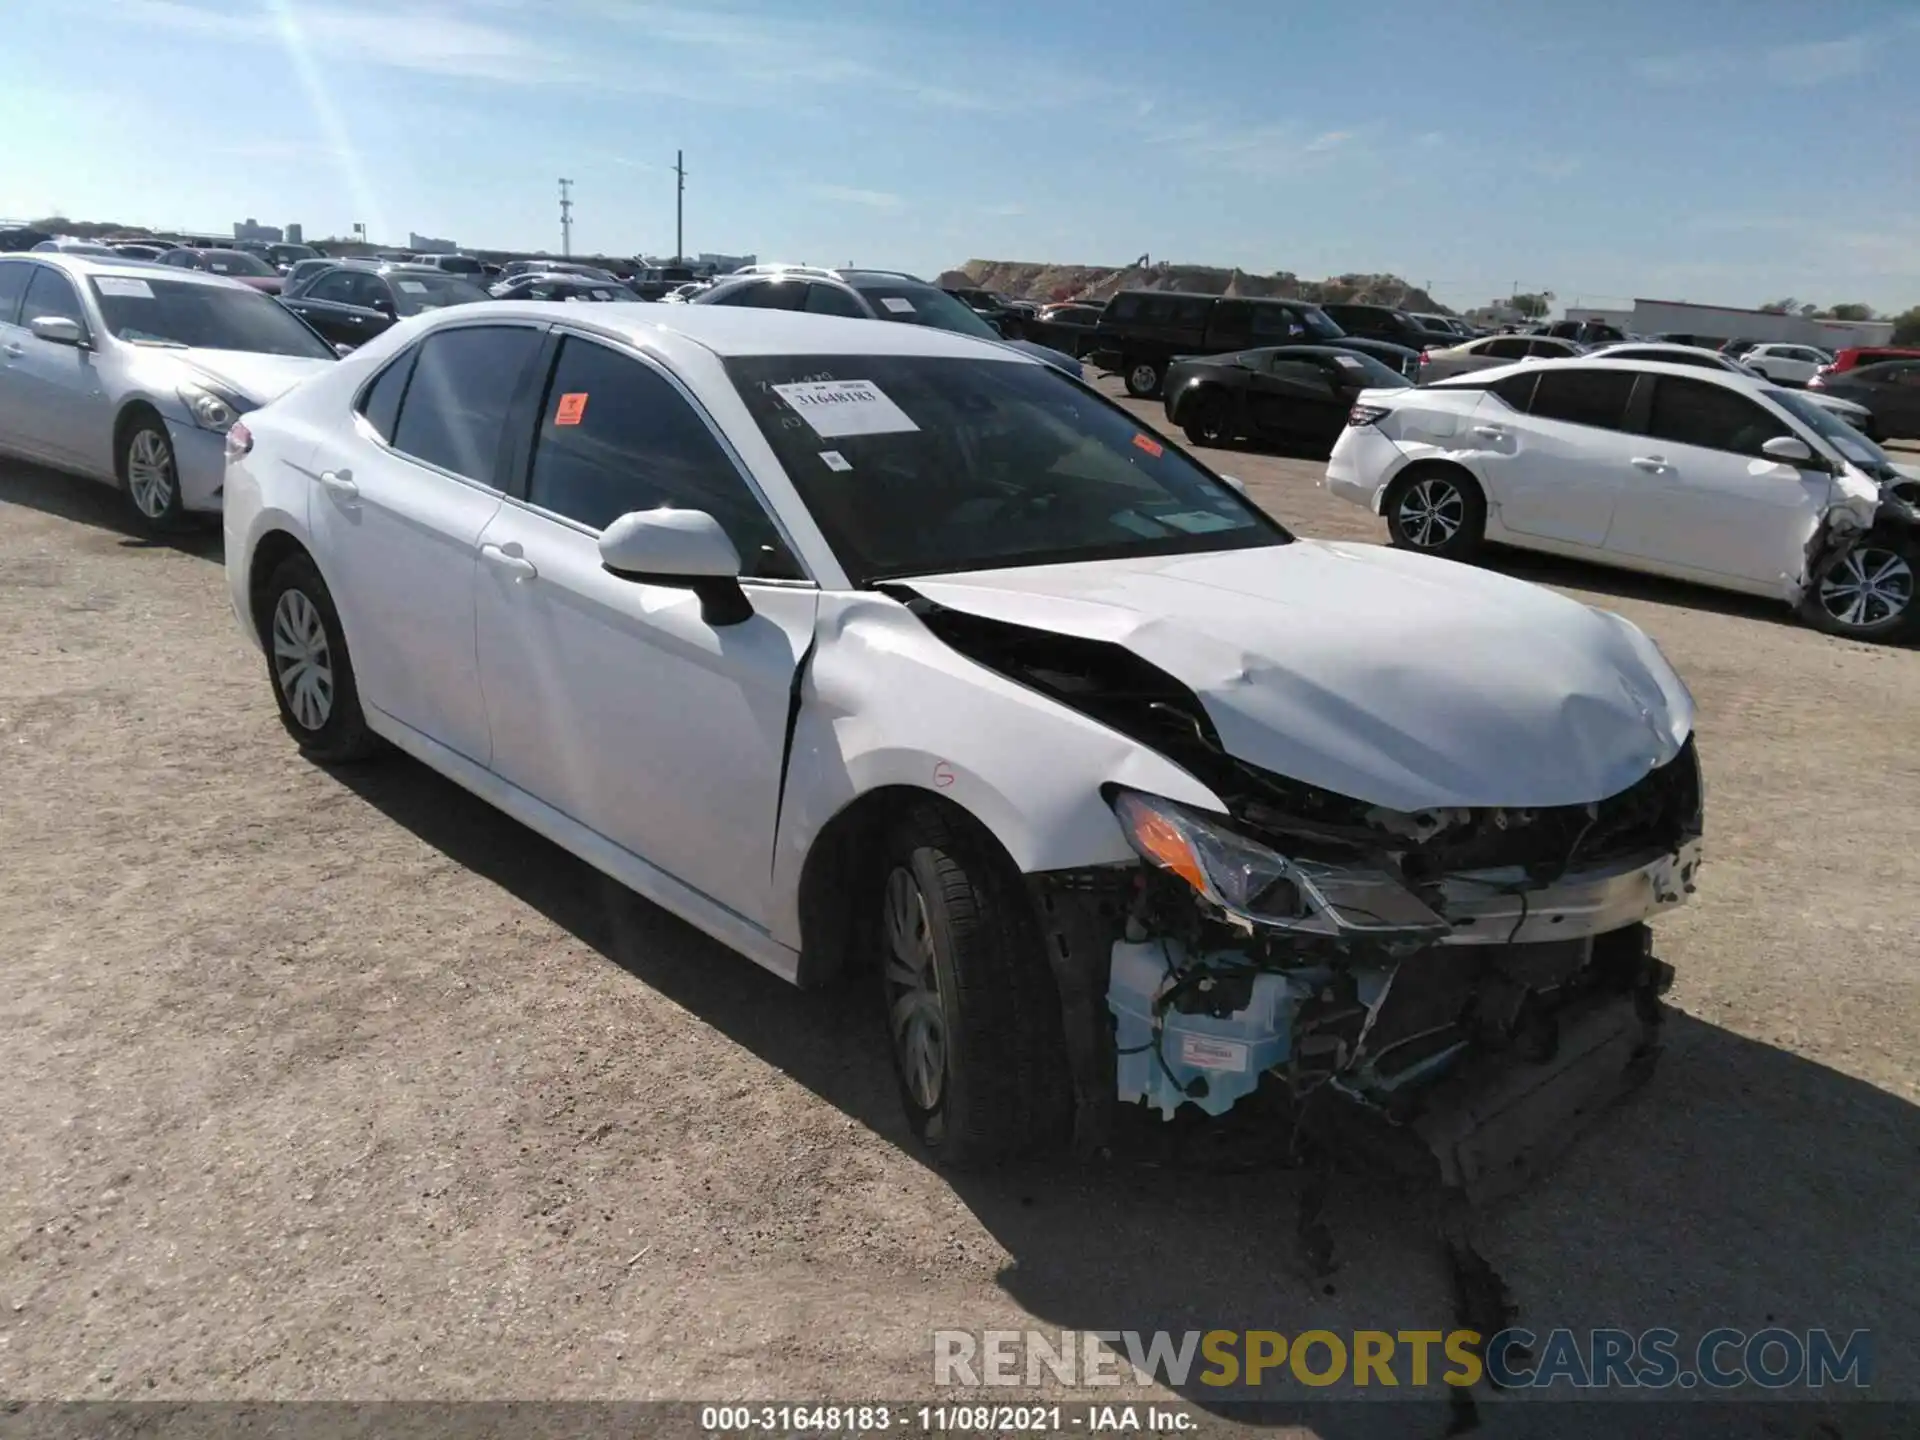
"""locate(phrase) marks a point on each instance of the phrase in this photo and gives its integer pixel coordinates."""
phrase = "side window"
(456, 404)
(368, 291)
(13, 284)
(1192, 313)
(617, 436)
(380, 402)
(1124, 307)
(1548, 349)
(51, 293)
(336, 286)
(1276, 322)
(1907, 375)
(1584, 397)
(831, 300)
(1517, 390)
(1506, 348)
(1232, 322)
(1694, 412)
(1156, 310)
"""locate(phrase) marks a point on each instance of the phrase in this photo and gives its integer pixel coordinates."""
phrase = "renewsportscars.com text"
(1518, 1359)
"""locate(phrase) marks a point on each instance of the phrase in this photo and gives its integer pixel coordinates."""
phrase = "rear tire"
(1437, 510)
(310, 669)
(1871, 593)
(1209, 420)
(973, 1018)
(1143, 378)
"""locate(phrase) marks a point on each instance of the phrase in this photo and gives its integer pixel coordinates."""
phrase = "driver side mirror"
(56, 330)
(684, 549)
(385, 307)
(1790, 448)
(1236, 482)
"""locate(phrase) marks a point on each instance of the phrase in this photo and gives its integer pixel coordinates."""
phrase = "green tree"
(1780, 307)
(1851, 311)
(1533, 306)
(1906, 327)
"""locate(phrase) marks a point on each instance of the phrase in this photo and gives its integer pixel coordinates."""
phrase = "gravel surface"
(344, 1085)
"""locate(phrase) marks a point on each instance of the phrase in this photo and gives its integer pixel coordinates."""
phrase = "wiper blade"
(161, 344)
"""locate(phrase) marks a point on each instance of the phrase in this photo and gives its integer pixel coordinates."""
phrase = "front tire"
(1143, 379)
(1437, 510)
(973, 1017)
(150, 477)
(1209, 420)
(1870, 594)
(310, 669)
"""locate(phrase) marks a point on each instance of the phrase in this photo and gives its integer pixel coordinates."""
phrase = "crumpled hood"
(258, 378)
(1393, 678)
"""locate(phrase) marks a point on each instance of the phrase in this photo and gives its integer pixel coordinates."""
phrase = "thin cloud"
(1820, 62)
(1804, 65)
(852, 195)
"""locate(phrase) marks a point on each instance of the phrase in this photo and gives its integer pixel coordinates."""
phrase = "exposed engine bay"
(1450, 989)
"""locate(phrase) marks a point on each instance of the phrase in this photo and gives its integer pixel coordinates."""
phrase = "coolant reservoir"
(1185, 1053)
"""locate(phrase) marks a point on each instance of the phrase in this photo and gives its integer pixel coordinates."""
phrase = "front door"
(339, 305)
(613, 700)
(1699, 494)
(59, 407)
(396, 509)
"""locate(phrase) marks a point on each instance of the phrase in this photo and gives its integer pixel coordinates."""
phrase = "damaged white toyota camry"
(869, 647)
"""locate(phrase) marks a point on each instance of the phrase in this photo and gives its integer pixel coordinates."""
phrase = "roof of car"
(739, 331)
(86, 265)
(1601, 362)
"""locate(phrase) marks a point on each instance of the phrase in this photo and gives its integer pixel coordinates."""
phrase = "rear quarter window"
(1124, 307)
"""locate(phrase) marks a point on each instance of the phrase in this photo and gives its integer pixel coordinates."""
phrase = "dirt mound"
(1027, 280)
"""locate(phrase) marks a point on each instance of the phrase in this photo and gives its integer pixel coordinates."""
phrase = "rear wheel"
(310, 670)
(1143, 379)
(1209, 419)
(1869, 595)
(971, 1008)
(1437, 510)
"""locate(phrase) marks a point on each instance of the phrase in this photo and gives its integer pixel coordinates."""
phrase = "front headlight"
(211, 409)
(1256, 885)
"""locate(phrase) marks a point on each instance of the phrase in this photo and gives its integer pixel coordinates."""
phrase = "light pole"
(566, 217)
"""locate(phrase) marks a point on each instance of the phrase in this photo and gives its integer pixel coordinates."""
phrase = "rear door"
(1698, 493)
(1556, 471)
(14, 275)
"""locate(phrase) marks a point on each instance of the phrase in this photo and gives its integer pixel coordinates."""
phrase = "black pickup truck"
(1142, 331)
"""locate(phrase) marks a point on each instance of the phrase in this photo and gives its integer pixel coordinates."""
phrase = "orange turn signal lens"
(1160, 840)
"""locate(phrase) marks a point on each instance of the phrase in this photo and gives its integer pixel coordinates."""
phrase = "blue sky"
(1728, 151)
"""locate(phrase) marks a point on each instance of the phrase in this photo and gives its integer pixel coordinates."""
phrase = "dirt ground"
(343, 1085)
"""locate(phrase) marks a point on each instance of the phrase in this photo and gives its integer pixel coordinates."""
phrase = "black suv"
(1383, 322)
(1142, 331)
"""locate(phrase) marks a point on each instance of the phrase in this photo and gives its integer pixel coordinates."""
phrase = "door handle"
(339, 483)
(16, 350)
(518, 566)
(1650, 462)
(1490, 432)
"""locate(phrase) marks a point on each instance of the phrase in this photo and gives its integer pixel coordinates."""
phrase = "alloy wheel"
(302, 659)
(916, 1014)
(1144, 378)
(1870, 585)
(1432, 512)
(150, 473)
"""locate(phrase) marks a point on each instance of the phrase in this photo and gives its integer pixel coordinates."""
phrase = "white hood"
(1393, 678)
(259, 378)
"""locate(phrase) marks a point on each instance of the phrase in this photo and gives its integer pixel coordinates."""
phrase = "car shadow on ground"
(103, 507)
(1744, 1187)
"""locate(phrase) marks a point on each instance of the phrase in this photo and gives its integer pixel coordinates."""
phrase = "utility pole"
(566, 217)
(679, 206)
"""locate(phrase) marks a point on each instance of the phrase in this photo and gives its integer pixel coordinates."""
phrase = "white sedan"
(879, 648)
(1698, 474)
(1786, 364)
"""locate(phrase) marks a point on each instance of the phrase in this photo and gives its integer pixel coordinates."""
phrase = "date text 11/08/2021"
(944, 1419)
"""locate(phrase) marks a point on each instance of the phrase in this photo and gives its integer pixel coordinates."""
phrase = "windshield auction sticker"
(120, 285)
(845, 407)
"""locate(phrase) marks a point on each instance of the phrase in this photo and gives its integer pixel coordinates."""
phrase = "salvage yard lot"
(346, 1085)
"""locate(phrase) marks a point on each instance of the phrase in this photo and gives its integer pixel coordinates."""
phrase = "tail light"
(239, 441)
(1366, 414)
(1815, 382)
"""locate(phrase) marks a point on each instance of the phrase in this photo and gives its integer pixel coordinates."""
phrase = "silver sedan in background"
(1491, 350)
(132, 374)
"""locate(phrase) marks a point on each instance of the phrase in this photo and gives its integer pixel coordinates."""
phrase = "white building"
(430, 245)
(252, 229)
(1717, 324)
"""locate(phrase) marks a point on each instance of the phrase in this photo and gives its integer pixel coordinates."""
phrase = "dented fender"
(1026, 767)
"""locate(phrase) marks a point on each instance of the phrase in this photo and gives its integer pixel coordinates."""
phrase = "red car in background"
(234, 264)
(1855, 356)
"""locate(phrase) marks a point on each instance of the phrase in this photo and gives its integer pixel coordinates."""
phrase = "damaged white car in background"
(1702, 475)
(879, 648)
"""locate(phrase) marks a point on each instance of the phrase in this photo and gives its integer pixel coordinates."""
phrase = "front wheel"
(1209, 420)
(971, 1008)
(151, 477)
(1437, 511)
(1143, 379)
(1869, 594)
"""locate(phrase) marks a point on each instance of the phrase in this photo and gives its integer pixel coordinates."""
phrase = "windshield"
(1835, 431)
(1320, 325)
(924, 305)
(1370, 370)
(430, 290)
(289, 254)
(235, 262)
(152, 310)
(916, 465)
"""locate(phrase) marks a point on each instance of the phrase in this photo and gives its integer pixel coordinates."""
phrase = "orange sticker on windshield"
(572, 407)
(1152, 447)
